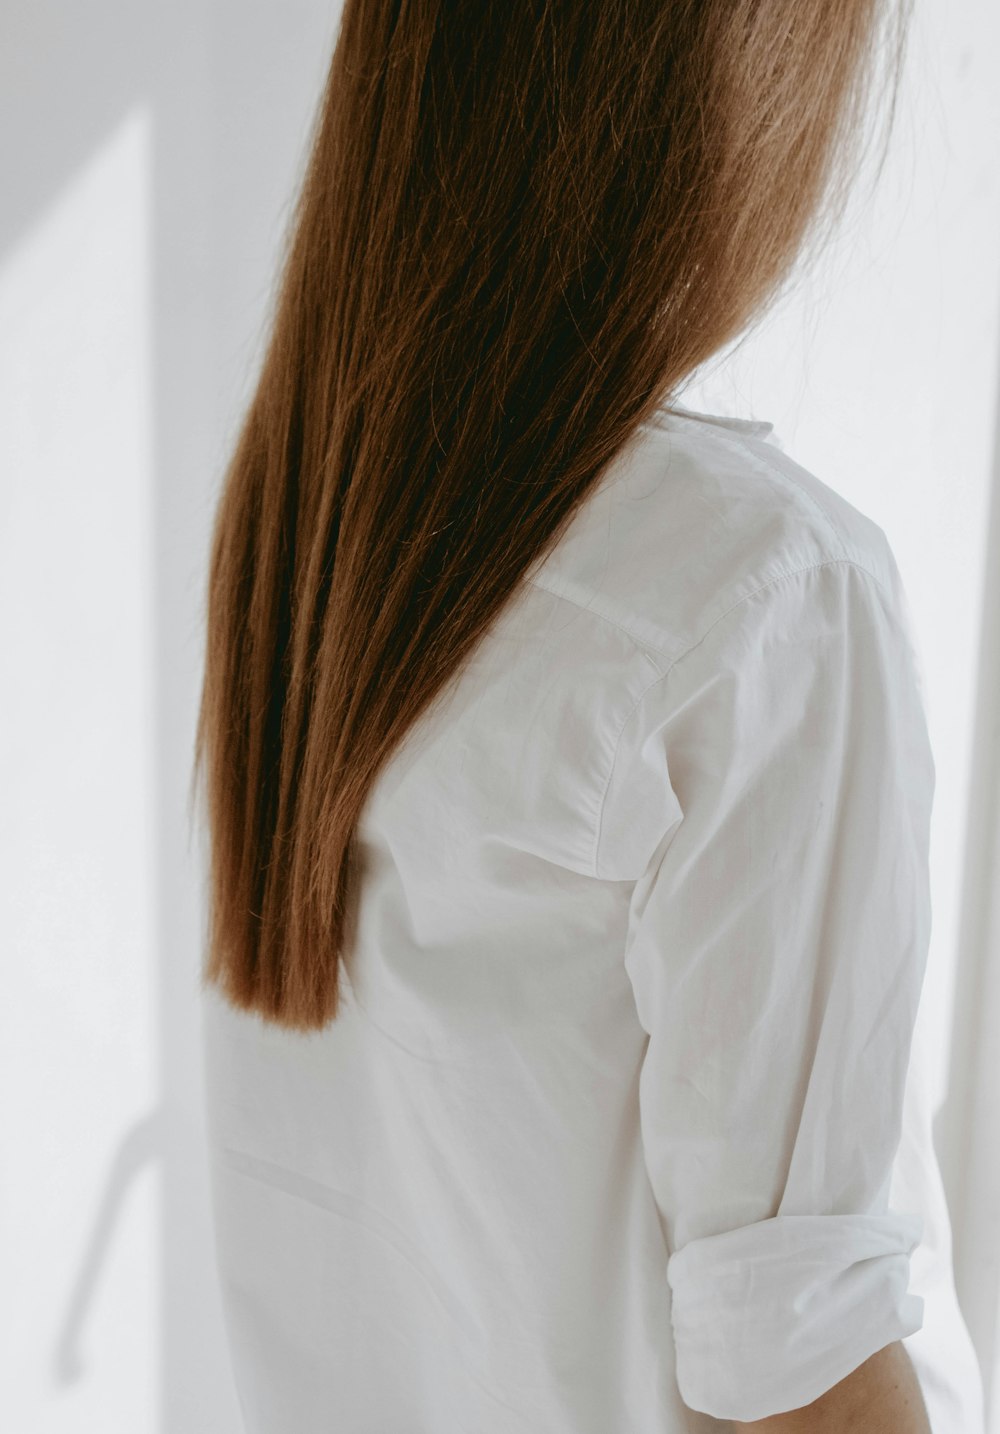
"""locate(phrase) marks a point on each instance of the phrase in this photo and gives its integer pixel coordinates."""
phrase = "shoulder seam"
(649, 647)
(665, 673)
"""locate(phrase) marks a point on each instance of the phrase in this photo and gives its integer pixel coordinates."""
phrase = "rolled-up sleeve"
(776, 948)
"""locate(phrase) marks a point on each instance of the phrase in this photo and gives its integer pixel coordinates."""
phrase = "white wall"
(80, 1205)
(150, 155)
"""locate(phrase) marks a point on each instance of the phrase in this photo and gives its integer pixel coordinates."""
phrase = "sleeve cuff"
(769, 1316)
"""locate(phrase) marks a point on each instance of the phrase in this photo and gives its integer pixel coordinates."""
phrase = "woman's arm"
(881, 1396)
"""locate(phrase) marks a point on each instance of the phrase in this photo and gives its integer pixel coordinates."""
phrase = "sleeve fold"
(769, 1315)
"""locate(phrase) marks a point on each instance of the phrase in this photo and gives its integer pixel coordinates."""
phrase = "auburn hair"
(522, 225)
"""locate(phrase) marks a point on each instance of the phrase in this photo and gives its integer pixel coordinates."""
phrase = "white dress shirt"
(623, 1127)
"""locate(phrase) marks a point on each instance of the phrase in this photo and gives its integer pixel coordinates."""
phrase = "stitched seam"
(649, 647)
(771, 582)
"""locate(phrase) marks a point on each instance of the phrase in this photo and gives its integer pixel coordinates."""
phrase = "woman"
(566, 768)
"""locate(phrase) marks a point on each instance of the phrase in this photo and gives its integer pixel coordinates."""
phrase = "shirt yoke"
(692, 518)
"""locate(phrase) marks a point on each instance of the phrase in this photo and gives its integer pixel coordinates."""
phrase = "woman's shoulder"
(692, 517)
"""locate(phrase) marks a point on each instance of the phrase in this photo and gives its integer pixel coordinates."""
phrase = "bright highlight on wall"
(79, 1195)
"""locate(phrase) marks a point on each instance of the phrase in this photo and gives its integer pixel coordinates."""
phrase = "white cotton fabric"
(623, 1123)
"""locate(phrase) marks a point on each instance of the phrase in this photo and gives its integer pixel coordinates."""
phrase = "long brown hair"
(522, 226)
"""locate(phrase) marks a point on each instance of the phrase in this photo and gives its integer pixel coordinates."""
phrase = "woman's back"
(604, 1135)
